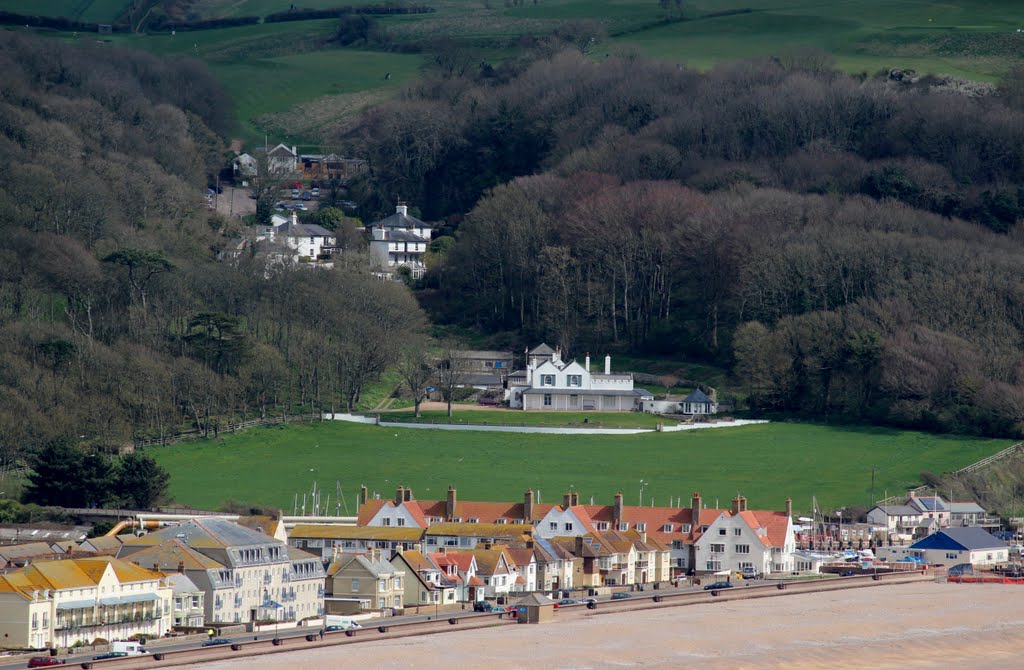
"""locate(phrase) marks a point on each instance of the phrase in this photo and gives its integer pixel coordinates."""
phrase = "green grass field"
(470, 414)
(766, 463)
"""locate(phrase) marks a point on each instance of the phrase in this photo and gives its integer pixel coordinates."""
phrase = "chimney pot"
(586, 364)
(736, 505)
(528, 506)
(449, 508)
(567, 500)
(399, 495)
(618, 510)
(789, 507)
(607, 364)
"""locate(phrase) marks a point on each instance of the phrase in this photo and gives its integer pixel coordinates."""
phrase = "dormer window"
(474, 519)
(641, 527)
(685, 528)
(502, 521)
(602, 525)
(457, 519)
(624, 526)
(667, 528)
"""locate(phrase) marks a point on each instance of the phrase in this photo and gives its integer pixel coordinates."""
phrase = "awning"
(123, 600)
(76, 604)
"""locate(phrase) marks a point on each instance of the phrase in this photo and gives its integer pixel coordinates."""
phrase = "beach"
(920, 625)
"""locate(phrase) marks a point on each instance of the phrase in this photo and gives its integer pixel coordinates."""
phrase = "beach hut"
(535, 608)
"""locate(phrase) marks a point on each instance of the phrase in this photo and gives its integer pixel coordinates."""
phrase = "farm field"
(99, 11)
(766, 463)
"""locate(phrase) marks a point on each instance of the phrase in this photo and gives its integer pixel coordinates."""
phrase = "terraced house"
(60, 603)
(236, 568)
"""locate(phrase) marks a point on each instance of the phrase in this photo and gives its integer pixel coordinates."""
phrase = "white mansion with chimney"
(549, 383)
(398, 241)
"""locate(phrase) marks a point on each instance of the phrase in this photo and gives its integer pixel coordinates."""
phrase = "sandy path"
(923, 625)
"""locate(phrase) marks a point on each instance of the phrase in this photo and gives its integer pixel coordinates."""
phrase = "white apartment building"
(742, 538)
(236, 568)
(60, 603)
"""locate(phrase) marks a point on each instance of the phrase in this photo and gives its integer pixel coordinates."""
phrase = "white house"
(952, 546)
(699, 403)
(549, 383)
(742, 538)
(306, 239)
(244, 166)
(923, 515)
(399, 241)
(282, 159)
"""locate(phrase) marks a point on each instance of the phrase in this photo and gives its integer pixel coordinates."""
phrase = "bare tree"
(452, 371)
(416, 370)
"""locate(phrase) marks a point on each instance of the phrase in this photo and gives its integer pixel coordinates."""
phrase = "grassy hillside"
(766, 463)
(273, 69)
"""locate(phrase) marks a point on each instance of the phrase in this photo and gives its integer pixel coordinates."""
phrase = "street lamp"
(642, 485)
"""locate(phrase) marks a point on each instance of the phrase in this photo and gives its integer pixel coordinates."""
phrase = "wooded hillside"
(848, 246)
(117, 320)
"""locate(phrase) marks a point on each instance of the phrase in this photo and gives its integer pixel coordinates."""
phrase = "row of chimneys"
(569, 499)
(607, 364)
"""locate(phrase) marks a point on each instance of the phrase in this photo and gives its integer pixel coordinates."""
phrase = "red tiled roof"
(369, 509)
(520, 580)
(415, 511)
(776, 523)
(475, 581)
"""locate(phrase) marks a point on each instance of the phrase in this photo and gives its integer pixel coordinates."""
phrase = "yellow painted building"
(59, 603)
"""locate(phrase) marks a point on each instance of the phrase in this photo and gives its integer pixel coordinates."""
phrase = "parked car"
(295, 194)
(306, 195)
(718, 585)
(109, 655)
(489, 401)
(568, 601)
(44, 662)
(315, 192)
(587, 601)
(750, 573)
(217, 641)
(484, 606)
(301, 206)
(847, 573)
(621, 596)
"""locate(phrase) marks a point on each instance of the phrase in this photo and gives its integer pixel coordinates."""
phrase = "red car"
(44, 662)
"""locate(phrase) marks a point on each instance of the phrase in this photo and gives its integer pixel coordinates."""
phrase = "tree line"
(844, 244)
(124, 313)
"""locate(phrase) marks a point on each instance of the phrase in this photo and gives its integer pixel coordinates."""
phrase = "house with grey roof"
(952, 546)
(921, 515)
(188, 610)
(399, 241)
(237, 568)
(549, 383)
(698, 403)
(364, 582)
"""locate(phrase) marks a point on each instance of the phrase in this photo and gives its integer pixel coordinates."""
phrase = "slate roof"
(966, 508)
(962, 539)
(398, 235)
(513, 530)
(378, 568)
(899, 510)
(697, 396)
(401, 221)
(172, 553)
(542, 350)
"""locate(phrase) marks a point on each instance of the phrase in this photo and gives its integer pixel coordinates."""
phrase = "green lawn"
(460, 414)
(766, 463)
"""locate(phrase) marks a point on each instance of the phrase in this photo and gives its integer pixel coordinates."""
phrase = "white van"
(130, 648)
(336, 622)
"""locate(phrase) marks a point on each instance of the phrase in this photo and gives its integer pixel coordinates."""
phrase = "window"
(602, 525)
(401, 522)
(685, 528)
(386, 522)
(721, 531)
(737, 531)
(398, 586)
(951, 555)
(568, 526)
(474, 519)
(641, 527)
(382, 585)
(717, 548)
(667, 528)
(355, 583)
(742, 548)
(547, 380)
(501, 521)
(575, 380)
(547, 400)
(553, 526)
(713, 565)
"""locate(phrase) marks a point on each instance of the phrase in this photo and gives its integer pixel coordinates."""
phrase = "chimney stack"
(579, 546)
(789, 507)
(607, 364)
(743, 503)
(528, 506)
(449, 508)
(618, 512)
(364, 494)
(402, 208)
(399, 495)
(181, 567)
(574, 498)
(407, 496)
(586, 364)
(736, 505)
(695, 512)
(567, 500)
